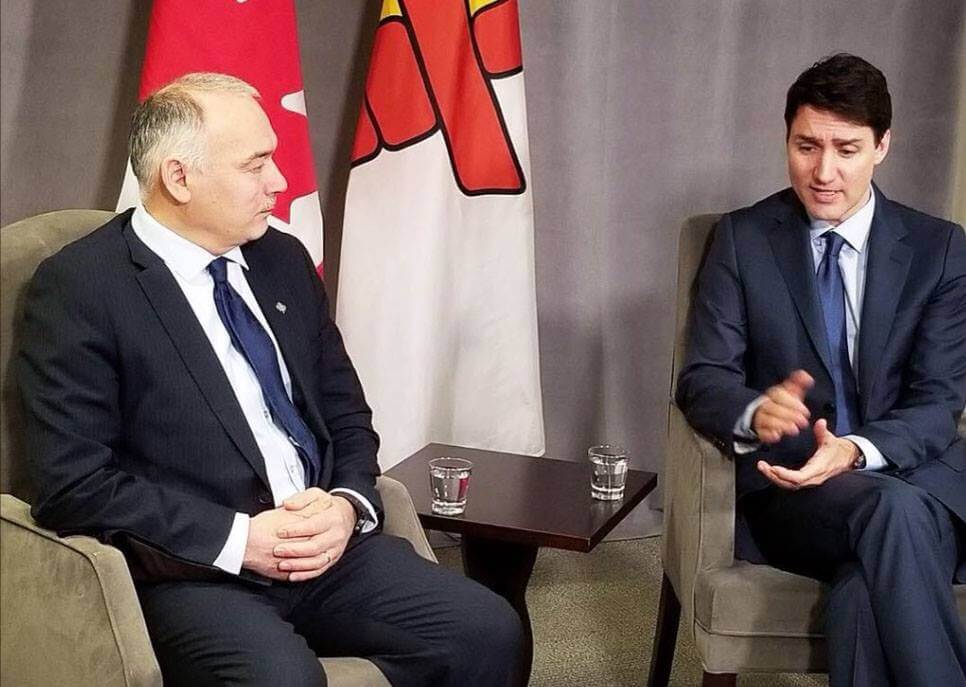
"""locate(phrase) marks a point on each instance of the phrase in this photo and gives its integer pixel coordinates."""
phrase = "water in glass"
(609, 474)
(449, 479)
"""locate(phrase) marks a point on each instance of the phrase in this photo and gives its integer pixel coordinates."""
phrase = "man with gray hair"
(189, 400)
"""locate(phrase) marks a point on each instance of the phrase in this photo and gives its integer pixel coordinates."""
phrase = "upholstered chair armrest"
(70, 612)
(699, 507)
(401, 518)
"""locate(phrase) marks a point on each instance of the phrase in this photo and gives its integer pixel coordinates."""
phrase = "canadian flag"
(256, 41)
(436, 297)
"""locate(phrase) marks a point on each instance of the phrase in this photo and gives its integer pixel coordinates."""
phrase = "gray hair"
(170, 122)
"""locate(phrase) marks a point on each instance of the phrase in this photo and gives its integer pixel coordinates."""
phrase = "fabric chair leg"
(719, 680)
(665, 636)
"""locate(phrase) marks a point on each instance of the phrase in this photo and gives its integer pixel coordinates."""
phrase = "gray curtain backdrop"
(641, 112)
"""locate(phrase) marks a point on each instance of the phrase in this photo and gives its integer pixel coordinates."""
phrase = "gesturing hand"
(783, 413)
(832, 457)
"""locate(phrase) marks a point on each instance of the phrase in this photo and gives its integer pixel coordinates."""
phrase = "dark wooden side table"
(515, 505)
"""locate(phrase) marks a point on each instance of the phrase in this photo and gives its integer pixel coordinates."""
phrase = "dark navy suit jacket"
(756, 317)
(133, 431)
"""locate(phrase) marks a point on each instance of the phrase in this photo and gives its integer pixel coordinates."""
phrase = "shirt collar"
(855, 230)
(179, 254)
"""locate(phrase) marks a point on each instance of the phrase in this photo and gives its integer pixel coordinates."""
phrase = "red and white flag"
(256, 41)
(436, 297)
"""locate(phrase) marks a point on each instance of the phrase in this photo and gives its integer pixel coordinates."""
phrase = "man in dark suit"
(827, 354)
(189, 400)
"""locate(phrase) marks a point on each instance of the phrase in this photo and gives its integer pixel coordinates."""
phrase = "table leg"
(505, 568)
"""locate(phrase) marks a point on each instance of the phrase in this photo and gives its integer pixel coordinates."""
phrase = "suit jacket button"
(829, 407)
(265, 498)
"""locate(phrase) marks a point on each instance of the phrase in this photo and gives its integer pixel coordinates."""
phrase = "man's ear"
(173, 179)
(882, 149)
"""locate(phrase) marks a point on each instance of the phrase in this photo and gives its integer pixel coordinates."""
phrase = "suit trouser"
(419, 623)
(889, 552)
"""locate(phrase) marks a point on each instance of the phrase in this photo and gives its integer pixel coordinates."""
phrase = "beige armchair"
(70, 611)
(743, 618)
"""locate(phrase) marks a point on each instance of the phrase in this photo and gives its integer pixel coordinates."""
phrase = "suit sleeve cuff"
(367, 515)
(874, 460)
(233, 553)
(745, 439)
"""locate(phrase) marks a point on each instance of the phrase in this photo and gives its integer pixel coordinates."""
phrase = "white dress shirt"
(853, 260)
(188, 263)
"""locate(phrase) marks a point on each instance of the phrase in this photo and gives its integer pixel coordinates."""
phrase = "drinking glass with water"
(609, 463)
(449, 479)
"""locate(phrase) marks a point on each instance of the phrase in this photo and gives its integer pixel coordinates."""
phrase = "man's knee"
(500, 626)
(898, 509)
(491, 639)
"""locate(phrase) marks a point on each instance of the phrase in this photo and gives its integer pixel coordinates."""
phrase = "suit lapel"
(789, 243)
(274, 302)
(886, 271)
(189, 339)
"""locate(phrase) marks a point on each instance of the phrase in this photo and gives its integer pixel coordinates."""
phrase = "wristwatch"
(362, 513)
(859, 462)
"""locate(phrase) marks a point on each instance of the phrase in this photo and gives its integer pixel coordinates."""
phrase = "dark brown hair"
(845, 85)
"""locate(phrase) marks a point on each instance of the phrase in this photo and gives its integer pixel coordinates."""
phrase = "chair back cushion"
(692, 247)
(23, 246)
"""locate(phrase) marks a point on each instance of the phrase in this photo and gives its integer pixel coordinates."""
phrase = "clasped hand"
(783, 413)
(300, 539)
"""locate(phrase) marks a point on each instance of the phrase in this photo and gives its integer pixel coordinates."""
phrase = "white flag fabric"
(436, 298)
(257, 42)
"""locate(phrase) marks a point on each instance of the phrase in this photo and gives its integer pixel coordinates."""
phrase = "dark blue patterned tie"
(251, 340)
(832, 293)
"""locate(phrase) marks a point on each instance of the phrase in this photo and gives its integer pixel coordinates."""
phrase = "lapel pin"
(280, 306)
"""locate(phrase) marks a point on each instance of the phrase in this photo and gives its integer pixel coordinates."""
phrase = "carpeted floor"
(594, 618)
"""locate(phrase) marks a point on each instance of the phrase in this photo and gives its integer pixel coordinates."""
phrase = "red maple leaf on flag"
(255, 41)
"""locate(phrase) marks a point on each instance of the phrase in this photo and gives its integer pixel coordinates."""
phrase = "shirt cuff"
(743, 430)
(874, 460)
(233, 553)
(368, 519)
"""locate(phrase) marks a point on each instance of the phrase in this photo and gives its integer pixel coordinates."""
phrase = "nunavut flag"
(436, 296)
(256, 41)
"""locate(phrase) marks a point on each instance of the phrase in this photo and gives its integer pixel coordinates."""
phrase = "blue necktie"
(251, 340)
(832, 293)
